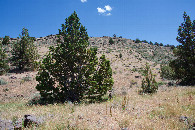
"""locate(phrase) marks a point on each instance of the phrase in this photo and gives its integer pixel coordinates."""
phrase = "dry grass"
(127, 110)
(159, 111)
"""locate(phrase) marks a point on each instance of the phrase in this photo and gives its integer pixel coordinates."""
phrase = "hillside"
(127, 110)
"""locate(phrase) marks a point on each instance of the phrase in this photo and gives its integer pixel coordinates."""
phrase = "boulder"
(31, 120)
(184, 119)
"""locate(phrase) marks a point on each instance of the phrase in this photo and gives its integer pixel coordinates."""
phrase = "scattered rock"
(12, 77)
(137, 76)
(30, 119)
(6, 125)
(184, 119)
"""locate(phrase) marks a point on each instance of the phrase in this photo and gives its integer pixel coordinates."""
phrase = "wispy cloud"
(103, 11)
(83, 1)
(108, 14)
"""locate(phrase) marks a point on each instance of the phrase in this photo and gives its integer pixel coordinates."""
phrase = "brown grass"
(159, 111)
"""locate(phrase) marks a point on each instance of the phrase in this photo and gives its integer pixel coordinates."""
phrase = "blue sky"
(151, 20)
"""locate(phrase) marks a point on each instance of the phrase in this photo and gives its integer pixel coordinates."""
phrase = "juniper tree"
(6, 40)
(24, 52)
(111, 41)
(149, 84)
(184, 65)
(71, 71)
(3, 60)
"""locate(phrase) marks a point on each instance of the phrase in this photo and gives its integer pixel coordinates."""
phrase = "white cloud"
(105, 11)
(108, 14)
(108, 8)
(83, 1)
(100, 10)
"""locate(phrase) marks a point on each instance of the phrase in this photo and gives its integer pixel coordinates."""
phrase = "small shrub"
(120, 55)
(149, 84)
(111, 41)
(114, 35)
(27, 78)
(2, 82)
(161, 83)
(134, 69)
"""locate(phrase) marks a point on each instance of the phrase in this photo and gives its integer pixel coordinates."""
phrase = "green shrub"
(24, 52)
(137, 40)
(149, 84)
(120, 55)
(166, 72)
(27, 78)
(71, 72)
(2, 82)
(111, 41)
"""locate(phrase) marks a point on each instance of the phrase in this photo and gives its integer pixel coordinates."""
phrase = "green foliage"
(71, 72)
(156, 43)
(6, 40)
(144, 41)
(114, 35)
(150, 43)
(166, 72)
(24, 52)
(149, 84)
(137, 40)
(120, 55)
(111, 41)
(3, 61)
(161, 44)
(184, 65)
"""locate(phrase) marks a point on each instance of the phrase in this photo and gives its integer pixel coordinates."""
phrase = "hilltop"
(127, 109)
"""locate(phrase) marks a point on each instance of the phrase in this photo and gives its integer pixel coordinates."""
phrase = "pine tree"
(71, 72)
(3, 61)
(24, 52)
(6, 40)
(184, 65)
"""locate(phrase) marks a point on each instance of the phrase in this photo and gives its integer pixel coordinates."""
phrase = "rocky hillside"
(172, 107)
(154, 53)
